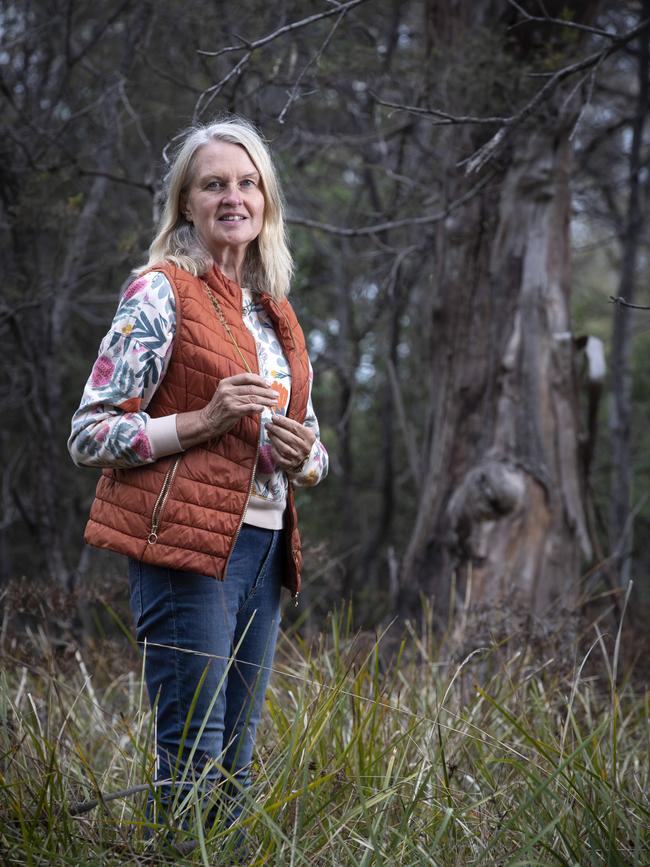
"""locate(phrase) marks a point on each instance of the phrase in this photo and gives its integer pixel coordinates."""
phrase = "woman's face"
(225, 200)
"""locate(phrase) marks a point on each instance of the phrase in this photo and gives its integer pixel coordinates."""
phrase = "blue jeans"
(192, 624)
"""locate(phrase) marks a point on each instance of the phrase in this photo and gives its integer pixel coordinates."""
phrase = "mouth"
(232, 218)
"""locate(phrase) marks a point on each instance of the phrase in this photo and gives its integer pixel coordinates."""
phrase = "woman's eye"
(213, 185)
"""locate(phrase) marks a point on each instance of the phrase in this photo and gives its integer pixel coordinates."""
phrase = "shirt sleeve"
(317, 464)
(111, 427)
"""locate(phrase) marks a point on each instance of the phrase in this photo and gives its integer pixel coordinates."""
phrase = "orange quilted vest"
(185, 511)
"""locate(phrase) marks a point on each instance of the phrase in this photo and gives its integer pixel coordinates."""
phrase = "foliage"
(366, 756)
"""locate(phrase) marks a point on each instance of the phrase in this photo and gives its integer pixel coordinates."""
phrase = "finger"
(250, 390)
(305, 435)
(288, 455)
(250, 409)
(246, 379)
(243, 402)
(285, 457)
(283, 460)
(283, 421)
(286, 437)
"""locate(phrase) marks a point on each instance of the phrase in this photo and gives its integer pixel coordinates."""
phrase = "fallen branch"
(81, 807)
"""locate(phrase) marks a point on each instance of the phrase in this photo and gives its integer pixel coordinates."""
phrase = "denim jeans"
(192, 624)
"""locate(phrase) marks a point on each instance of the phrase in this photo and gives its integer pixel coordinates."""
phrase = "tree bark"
(621, 524)
(501, 501)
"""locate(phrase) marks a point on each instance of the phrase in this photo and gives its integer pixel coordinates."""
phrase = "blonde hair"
(268, 265)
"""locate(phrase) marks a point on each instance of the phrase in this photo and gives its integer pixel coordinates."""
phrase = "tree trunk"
(621, 525)
(501, 502)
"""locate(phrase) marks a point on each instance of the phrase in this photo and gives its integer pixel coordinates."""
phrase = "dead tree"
(501, 504)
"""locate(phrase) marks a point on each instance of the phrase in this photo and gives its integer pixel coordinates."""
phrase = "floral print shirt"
(111, 428)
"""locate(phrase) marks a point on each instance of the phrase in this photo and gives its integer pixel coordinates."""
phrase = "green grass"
(363, 758)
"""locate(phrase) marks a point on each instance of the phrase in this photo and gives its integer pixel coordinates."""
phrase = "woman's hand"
(235, 397)
(291, 442)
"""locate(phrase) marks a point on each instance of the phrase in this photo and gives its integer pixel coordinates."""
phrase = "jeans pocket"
(266, 564)
(135, 590)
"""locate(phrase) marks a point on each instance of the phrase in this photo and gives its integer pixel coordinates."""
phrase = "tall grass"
(362, 759)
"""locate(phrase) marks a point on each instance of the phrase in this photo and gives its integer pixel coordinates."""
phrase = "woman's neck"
(230, 261)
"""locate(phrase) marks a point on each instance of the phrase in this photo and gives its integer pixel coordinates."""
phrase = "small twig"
(139, 185)
(293, 95)
(81, 807)
(209, 95)
(444, 116)
(623, 303)
(546, 19)
(287, 28)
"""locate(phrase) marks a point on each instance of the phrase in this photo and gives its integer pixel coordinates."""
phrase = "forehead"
(224, 159)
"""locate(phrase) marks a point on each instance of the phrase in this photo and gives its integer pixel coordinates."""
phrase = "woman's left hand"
(291, 442)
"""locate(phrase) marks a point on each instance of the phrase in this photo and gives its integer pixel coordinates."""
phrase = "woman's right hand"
(235, 397)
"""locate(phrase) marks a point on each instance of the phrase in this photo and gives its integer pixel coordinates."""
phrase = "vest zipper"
(257, 454)
(161, 502)
(281, 314)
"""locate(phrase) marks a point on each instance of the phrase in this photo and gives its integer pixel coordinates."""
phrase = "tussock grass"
(363, 759)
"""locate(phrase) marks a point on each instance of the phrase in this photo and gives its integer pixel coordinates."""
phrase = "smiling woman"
(225, 203)
(199, 410)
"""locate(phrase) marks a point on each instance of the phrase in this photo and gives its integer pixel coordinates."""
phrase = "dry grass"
(503, 757)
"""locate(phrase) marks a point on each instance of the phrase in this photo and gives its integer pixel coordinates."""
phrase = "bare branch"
(392, 224)
(623, 303)
(475, 162)
(445, 117)
(293, 95)
(202, 103)
(485, 153)
(161, 73)
(287, 28)
(209, 95)
(562, 22)
(139, 185)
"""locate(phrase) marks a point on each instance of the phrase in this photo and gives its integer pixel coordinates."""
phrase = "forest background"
(467, 189)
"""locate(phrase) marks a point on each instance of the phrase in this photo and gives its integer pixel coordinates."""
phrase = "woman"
(199, 409)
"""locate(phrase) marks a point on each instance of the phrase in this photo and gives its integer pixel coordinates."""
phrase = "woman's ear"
(185, 211)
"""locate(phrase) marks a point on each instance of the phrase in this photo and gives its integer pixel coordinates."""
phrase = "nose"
(232, 194)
